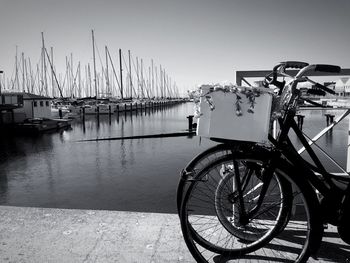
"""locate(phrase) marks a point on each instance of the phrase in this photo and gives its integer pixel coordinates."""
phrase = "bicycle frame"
(316, 175)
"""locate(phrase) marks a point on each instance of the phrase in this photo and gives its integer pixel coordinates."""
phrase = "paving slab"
(65, 235)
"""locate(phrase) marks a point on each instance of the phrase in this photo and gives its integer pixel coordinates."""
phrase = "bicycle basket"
(234, 113)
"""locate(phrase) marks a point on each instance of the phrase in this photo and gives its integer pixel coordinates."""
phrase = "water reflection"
(55, 170)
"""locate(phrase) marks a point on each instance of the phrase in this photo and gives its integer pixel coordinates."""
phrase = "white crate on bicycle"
(234, 113)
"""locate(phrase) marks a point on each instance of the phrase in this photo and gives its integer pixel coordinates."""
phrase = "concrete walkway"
(62, 235)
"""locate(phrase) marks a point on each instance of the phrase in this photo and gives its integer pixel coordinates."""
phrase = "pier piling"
(83, 109)
(329, 119)
(300, 120)
(190, 122)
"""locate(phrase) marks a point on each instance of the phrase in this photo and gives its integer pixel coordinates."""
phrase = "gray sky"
(197, 41)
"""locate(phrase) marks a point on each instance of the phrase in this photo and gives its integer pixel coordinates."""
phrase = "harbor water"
(58, 170)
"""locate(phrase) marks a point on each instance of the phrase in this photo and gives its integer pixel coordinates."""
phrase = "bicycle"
(226, 214)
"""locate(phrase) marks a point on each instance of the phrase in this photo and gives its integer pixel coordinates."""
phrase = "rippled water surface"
(55, 170)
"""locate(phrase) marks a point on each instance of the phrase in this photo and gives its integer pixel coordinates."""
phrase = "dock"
(65, 235)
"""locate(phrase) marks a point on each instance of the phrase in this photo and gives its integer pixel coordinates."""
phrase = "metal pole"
(154, 93)
(93, 52)
(138, 77)
(130, 77)
(44, 63)
(121, 73)
(107, 76)
(16, 78)
(52, 77)
(0, 81)
(23, 78)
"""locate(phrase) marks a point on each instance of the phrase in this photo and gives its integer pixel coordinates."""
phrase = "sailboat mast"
(23, 79)
(130, 77)
(157, 83)
(121, 74)
(161, 81)
(16, 76)
(79, 82)
(107, 76)
(44, 64)
(138, 77)
(90, 86)
(72, 75)
(153, 91)
(143, 94)
(94, 61)
(52, 76)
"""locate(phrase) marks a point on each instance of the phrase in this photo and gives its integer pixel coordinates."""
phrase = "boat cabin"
(27, 106)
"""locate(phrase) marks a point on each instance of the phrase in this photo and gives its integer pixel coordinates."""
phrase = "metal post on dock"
(329, 119)
(300, 120)
(98, 114)
(83, 110)
(190, 122)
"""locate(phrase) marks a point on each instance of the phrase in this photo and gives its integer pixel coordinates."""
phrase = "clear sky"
(197, 41)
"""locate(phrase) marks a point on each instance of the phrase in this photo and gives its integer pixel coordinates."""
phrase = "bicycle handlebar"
(295, 64)
(327, 68)
(282, 67)
(304, 67)
(319, 68)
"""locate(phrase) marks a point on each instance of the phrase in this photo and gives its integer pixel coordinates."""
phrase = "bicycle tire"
(199, 162)
(312, 229)
(224, 191)
(245, 236)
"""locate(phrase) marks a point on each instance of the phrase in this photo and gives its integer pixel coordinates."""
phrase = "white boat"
(55, 111)
(101, 108)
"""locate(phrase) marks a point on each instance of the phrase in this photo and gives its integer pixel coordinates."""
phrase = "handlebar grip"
(295, 64)
(320, 86)
(327, 68)
(316, 92)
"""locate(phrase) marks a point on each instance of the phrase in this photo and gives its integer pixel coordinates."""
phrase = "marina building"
(18, 106)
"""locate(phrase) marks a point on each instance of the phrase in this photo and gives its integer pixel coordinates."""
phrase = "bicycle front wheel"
(210, 222)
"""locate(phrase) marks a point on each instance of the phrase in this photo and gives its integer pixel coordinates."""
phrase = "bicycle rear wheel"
(212, 236)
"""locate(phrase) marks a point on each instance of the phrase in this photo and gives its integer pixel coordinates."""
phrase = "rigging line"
(18, 71)
(114, 72)
(75, 78)
(99, 56)
(138, 79)
(48, 57)
(64, 80)
(127, 71)
(33, 80)
(144, 86)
